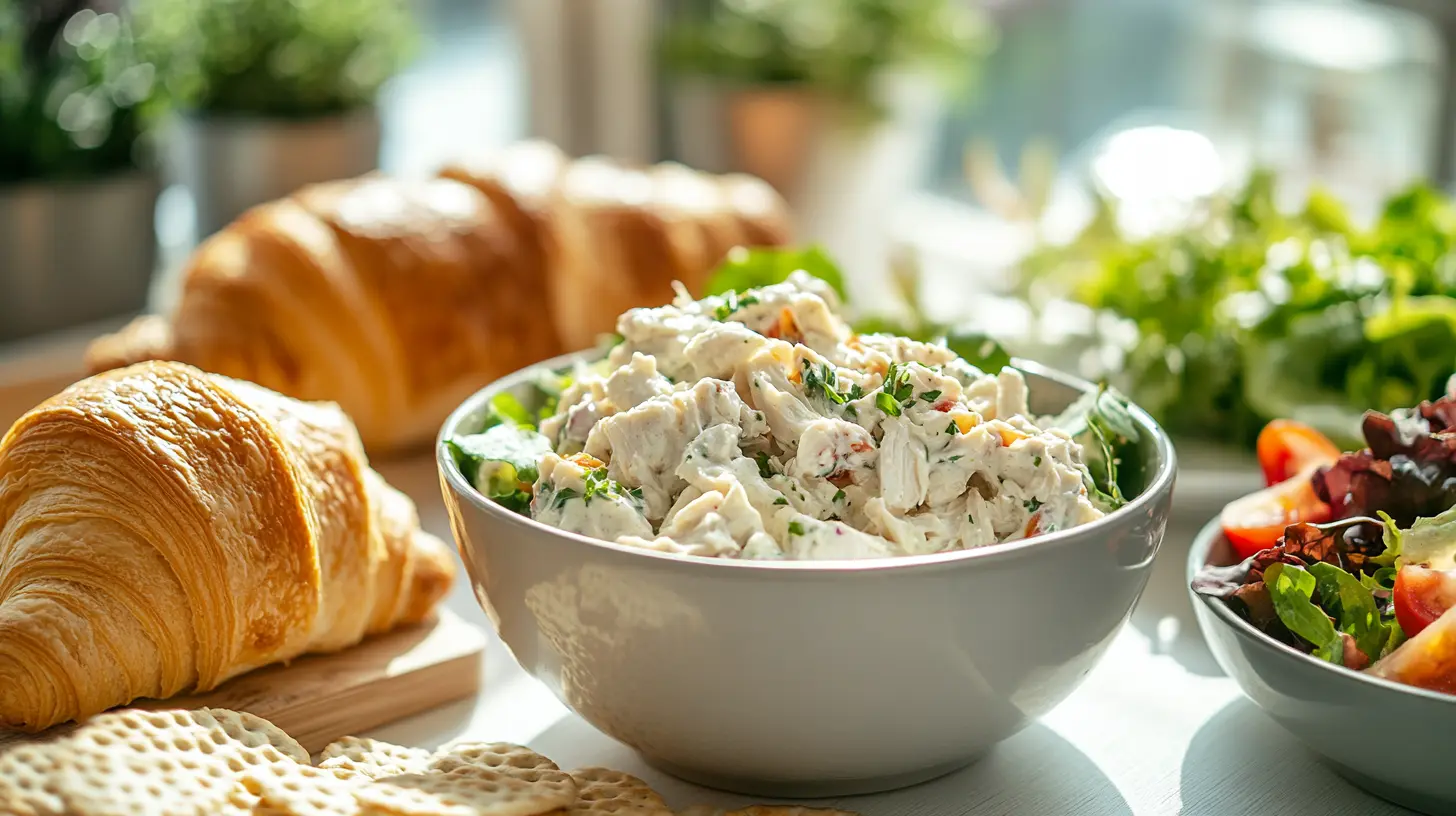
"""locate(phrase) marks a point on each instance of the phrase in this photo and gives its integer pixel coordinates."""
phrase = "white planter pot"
(75, 252)
(229, 164)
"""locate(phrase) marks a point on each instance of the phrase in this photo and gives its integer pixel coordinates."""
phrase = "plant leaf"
(1290, 588)
(749, 268)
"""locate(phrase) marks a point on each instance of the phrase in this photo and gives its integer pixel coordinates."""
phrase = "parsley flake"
(930, 396)
(795, 528)
(781, 500)
(1032, 505)
(839, 497)
(732, 303)
(765, 467)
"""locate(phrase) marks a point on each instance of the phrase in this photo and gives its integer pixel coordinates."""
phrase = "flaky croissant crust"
(164, 529)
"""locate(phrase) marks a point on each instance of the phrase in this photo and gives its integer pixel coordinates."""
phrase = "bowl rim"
(1161, 485)
(1198, 557)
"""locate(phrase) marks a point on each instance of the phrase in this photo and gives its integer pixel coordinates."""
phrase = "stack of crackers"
(212, 762)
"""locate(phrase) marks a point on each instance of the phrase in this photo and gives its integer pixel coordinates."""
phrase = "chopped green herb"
(795, 528)
(563, 496)
(781, 500)
(971, 519)
(825, 379)
(727, 307)
(930, 396)
(1032, 505)
(952, 429)
(765, 467)
(855, 392)
(839, 496)
(957, 456)
(1036, 461)
(887, 404)
(732, 303)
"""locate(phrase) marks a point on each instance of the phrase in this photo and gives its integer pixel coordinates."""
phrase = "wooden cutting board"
(320, 698)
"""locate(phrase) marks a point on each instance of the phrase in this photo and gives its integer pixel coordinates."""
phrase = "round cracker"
(605, 791)
(302, 790)
(373, 758)
(132, 761)
(492, 755)
(469, 791)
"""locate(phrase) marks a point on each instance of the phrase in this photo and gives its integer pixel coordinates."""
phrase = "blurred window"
(1340, 90)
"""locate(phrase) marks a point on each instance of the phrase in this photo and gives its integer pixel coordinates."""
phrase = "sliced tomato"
(1421, 596)
(1257, 521)
(1287, 448)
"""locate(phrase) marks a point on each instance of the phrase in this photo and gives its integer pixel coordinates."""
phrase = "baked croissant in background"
(611, 238)
(398, 299)
(163, 529)
(394, 299)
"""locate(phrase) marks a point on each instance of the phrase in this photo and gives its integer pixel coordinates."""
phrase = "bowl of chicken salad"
(780, 556)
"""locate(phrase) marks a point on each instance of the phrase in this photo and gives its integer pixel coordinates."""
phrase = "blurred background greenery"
(1231, 208)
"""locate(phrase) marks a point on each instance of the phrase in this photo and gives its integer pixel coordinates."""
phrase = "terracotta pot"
(774, 129)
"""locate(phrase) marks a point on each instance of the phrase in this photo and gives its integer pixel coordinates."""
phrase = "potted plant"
(780, 73)
(77, 197)
(834, 102)
(271, 95)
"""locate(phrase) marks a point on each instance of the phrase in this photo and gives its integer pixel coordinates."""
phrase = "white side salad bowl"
(808, 679)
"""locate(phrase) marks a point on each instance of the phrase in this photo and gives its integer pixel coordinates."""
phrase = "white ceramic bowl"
(808, 678)
(1390, 739)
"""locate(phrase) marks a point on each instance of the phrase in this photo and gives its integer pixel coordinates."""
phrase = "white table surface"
(1155, 728)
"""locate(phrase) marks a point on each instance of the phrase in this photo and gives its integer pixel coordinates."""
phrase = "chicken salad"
(759, 425)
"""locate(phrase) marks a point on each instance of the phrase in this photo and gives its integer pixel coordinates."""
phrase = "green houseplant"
(77, 194)
(786, 70)
(837, 47)
(836, 103)
(271, 95)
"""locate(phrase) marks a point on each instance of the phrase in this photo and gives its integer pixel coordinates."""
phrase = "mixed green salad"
(1352, 557)
(1250, 313)
(850, 443)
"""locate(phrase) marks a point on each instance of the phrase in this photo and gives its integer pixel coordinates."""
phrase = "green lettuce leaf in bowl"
(501, 462)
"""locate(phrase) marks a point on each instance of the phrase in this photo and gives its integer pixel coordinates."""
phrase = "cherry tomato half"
(1287, 448)
(1257, 521)
(1421, 596)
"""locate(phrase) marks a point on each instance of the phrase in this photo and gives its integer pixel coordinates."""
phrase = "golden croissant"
(394, 299)
(398, 299)
(163, 529)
